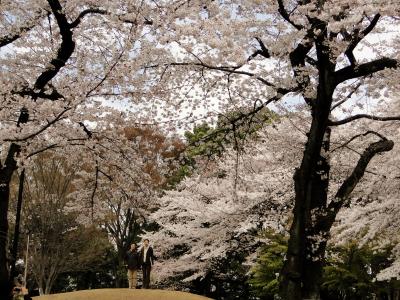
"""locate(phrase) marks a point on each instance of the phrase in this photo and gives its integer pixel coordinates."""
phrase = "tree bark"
(315, 237)
(14, 251)
(310, 186)
(6, 172)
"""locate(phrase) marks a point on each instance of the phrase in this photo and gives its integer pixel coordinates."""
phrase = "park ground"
(122, 294)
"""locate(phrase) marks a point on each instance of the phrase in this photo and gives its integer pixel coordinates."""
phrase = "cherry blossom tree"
(67, 68)
(303, 52)
(63, 62)
(227, 200)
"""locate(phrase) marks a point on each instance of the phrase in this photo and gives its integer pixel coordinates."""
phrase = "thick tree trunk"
(301, 274)
(310, 191)
(6, 172)
(315, 237)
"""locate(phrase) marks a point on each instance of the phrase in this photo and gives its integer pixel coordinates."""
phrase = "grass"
(122, 294)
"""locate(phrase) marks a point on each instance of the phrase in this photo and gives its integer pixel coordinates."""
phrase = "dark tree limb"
(298, 58)
(365, 69)
(52, 146)
(363, 116)
(100, 11)
(19, 32)
(14, 251)
(284, 13)
(86, 12)
(226, 69)
(53, 95)
(85, 129)
(49, 123)
(263, 51)
(109, 177)
(355, 137)
(356, 37)
(347, 187)
(65, 51)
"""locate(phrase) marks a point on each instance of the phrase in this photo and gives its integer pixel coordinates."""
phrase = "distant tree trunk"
(121, 277)
(6, 172)
(14, 251)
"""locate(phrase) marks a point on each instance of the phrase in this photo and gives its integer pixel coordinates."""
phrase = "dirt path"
(122, 294)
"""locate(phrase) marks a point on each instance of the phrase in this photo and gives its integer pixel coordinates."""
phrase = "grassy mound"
(122, 294)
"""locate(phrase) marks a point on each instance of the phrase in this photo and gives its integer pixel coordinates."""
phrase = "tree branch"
(54, 95)
(283, 12)
(85, 129)
(263, 52)
(105, 12)
(357, 136)
(362, 116)
(384, 145)
(347, 97)
(65, 51)
(49, 123)
(231, 70)
(17, 33)
(86, 12)
(94, 191)
(365, 69)
(356, 38)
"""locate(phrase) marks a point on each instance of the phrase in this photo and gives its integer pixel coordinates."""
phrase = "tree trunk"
(14, 251)
(311, 186)
(300, 275)
(120, 280)
(4, 274)
(6, 172)
(315, 236)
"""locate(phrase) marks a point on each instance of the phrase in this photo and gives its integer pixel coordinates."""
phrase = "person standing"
(147, 260)
(133, 263)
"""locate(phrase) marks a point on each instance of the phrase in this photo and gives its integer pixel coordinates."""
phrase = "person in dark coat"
(133, 264)
(147, 260)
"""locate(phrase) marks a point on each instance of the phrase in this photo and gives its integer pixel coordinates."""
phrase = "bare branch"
(365, 69)
(357, 136)
(282, 10)
(18, 32)
(106, 175)
(85, 129)
(65, 51)
(231, 70)
(363, 116)
(52, 146)
(100, 11)
(347, 97)
(384, 145)
(263, 52)
(356, 38)
(106, 75)
(86, 12)
(49, 123)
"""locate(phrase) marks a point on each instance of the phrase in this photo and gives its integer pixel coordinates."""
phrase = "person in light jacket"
(147, 260)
